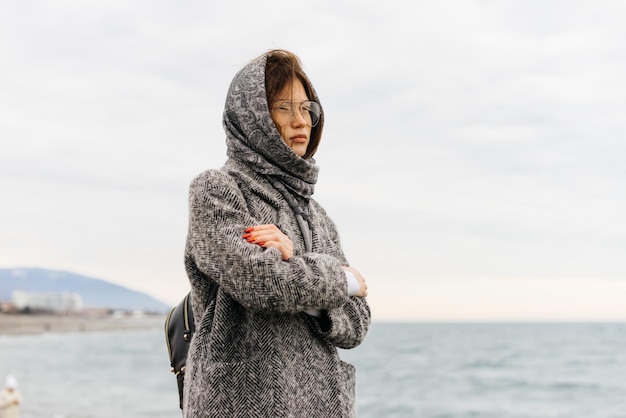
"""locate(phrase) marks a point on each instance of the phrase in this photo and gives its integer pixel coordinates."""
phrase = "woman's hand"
(362, 285)
(270, 236)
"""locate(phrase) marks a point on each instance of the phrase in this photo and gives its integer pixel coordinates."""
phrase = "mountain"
(94, 292)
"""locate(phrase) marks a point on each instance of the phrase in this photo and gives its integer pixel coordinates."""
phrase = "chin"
(300, 150)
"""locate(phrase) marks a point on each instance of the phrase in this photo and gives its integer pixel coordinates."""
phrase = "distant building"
(56, 302)
(8, 307)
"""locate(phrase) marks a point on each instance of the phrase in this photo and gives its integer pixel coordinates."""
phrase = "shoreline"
(19, 324)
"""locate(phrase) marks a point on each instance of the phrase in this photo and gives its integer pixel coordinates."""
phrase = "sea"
(421, 370)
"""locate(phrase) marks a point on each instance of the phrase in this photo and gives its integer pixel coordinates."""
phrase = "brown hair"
(281, 68)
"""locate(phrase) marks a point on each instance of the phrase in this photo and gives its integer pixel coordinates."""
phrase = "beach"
(14, 324)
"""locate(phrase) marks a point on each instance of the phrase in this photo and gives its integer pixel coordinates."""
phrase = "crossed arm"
(270, 236)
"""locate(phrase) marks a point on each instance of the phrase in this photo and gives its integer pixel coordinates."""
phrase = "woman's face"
(293, 125)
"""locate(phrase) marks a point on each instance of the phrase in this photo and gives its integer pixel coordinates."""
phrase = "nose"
(298, 117)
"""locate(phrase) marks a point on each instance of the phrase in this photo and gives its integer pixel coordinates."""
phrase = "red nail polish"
(249, 229)
(261, 243)
(246, 235)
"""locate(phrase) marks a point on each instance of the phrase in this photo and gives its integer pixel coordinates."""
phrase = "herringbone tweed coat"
(255, 352)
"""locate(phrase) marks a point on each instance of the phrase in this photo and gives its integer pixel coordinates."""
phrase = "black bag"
(179, 328)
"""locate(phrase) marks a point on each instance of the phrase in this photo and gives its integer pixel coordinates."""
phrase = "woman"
(266, 345)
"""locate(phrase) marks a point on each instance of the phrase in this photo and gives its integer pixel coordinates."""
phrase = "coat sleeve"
(347, 325)
(254, 276)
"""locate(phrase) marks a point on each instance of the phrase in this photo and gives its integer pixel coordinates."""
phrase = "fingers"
(362, 283)
(364, 289)
(262, 233)
(270, 236)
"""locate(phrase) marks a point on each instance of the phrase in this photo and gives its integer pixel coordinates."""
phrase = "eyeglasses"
(310, 111)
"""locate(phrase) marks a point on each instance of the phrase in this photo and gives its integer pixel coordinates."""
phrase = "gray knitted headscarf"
(253, 139)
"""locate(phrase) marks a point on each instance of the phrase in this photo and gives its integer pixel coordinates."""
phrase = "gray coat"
(255, 352)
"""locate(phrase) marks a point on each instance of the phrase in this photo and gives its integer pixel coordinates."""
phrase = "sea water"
(436, 370)
(492, 371)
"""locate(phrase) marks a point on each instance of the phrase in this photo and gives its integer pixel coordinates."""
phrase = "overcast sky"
(473, 155)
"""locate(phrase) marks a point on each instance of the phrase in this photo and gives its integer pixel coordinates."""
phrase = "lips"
(299, 138)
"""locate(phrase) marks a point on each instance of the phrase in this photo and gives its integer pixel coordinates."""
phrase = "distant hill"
(95, 293)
